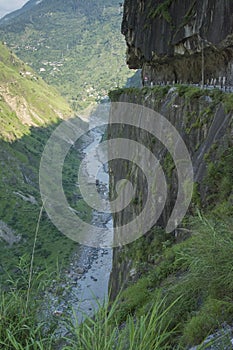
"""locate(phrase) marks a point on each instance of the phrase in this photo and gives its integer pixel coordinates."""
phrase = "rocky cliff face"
(174, 40)
(204, 120)
(166, 38)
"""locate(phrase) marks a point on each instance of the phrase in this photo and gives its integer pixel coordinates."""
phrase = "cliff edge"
(171, 40)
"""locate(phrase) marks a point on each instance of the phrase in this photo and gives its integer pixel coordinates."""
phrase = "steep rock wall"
(166, 38)
(205, 124)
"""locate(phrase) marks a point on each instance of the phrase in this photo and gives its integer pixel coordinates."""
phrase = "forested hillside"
(74, 45)
(29, 112)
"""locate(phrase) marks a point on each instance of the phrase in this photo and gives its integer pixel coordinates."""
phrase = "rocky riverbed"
(84, 283)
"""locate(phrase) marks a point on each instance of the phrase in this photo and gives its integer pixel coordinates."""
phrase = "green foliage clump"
(190, 92)
(114, 95)
(211, 317)
(189, 14)
(20, 328)
(162, 11)
(228, 103)
(23, 326)
(168, 165)
(196, 197)
(186, 296)
(219, 181)
(159, 91)
(199, 272)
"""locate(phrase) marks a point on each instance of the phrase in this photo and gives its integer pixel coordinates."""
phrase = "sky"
(7, 6)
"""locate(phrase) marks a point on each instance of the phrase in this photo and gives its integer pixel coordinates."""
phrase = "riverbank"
(84, 281)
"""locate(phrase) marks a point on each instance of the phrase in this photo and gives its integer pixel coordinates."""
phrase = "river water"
(84, 283)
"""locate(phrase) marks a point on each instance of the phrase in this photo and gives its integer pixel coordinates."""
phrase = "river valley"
(84, 282)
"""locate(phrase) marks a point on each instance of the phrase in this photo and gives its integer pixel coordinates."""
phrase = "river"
(84, 283)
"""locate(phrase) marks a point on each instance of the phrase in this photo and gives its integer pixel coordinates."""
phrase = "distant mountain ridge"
(30, 4)
(35, 7)
(75, 45)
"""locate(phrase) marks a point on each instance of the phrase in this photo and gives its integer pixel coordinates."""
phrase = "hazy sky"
(10, 5)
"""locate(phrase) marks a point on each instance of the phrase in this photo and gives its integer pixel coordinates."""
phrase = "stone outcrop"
(171, 39)
(206, 128)
(8, 235)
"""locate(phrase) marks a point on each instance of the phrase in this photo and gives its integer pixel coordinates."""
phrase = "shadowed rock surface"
(166, 38)
(206, 128)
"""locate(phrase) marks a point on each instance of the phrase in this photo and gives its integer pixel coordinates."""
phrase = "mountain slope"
(19, 11)
(26, 100)
(29, 112)
(75, 45)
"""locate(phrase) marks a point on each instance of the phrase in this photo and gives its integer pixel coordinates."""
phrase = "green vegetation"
(190, 93)
(195, 265)
(162, 11)
(73, 46)
(199, 272)
(19, 326)
(187, 17)
(29, 111)
(219, 181)
(105, 332)
(25, 99)
(134, 91)
(184, 296)
(183, 288)
(189, 14)
(22, 329)
(216, 95)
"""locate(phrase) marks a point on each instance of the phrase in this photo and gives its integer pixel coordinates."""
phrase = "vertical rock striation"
(166, 38)
(205, 124)
(173, 40)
